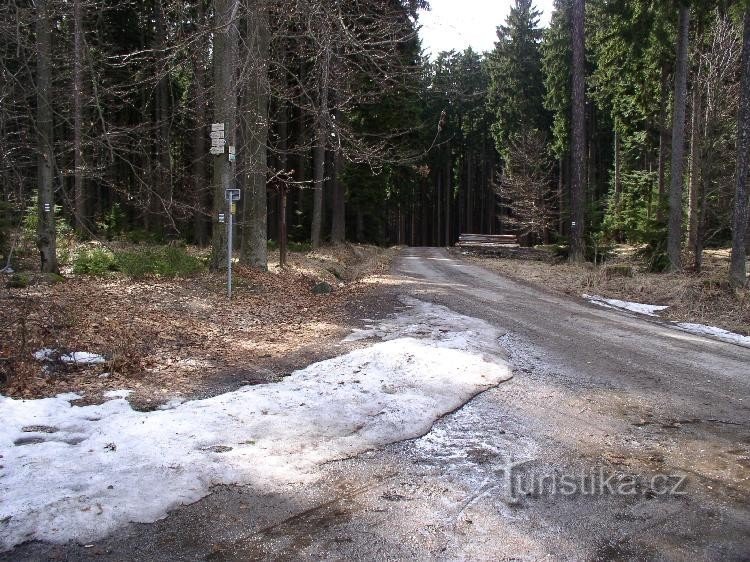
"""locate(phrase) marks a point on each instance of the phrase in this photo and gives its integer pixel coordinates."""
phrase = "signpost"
(231, 196)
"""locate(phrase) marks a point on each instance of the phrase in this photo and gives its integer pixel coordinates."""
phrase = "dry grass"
(705, 298)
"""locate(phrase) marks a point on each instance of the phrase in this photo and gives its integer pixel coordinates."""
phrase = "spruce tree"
(516, 92)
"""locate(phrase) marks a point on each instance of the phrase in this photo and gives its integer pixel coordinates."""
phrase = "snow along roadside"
(73, 472)
(653, 310)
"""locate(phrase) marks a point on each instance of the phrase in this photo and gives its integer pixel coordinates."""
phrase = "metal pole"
(282, 227)
(229, 248)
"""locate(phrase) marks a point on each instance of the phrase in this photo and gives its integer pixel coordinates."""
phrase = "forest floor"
(168, 339)
(704, 298)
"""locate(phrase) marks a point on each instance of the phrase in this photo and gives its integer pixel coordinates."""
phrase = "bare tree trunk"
(618, 180)
(46, 234)
(663, 140)
(338, 217)
(674, 235)
(225, 110)
(255, 245)
(79, 197)
(448, 199)
(163, 195)
(199, 149)
(737, 273)
(578, 135)
(283, 125)
(319, 151)
(694, 165)
(561, 196)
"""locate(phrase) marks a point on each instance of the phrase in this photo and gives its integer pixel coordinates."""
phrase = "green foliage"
(556, 64)
(631, 215)
(164, 261)
(94, 261)
(114, 222)
(516, 92)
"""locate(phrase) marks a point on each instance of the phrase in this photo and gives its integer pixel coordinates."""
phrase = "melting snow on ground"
(73, 358)
(652, 310)
(647, 309)
(715, 332)
(78, 472)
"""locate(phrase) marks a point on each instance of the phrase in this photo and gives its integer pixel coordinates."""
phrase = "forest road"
(617, 438)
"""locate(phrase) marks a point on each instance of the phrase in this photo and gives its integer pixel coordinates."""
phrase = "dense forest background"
(337, 126)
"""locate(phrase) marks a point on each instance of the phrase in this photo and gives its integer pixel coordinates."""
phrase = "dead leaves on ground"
(164, 338)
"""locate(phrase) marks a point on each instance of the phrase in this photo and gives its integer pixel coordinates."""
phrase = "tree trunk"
(255, 247)
(448, 198)
(199, 195)
(225, 110)
(79, 197)
(319, 151)
(738, 274)
(663, 141)
(618, 182)
(162, 199)
(674, 235)
(694, 166)
(578, 134)
(46, 234)
(283, 126)
(338, 218)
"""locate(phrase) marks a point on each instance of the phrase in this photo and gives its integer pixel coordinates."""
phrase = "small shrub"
(654, 255)
(94, 261)
(165, 261)
(19, 281)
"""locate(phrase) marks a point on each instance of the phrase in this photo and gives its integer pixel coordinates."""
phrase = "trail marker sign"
(232, 195)
(217, 138)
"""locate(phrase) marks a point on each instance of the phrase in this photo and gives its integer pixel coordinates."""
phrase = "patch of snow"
(647, 309)
(82, 358)
(719, 333)
(76, 357)
(122, 394)
(105, 463)
(171, 404)
(43, 354)
(67, 396)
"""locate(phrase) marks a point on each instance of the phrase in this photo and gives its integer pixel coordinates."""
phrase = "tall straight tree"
(674, 234)
(225, 111)
(321, 137)
(255, 240)
(738, 273)
(46, 235)
(78, 193)
(578, 134)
